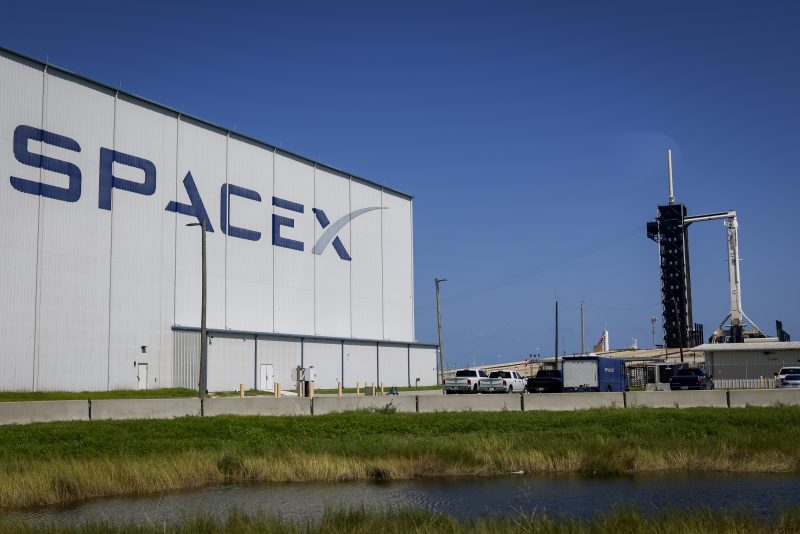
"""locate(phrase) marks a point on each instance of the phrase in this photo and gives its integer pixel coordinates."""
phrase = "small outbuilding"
(749, 360)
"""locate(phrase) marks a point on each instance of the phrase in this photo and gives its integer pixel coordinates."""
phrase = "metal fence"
(748, 369)
(637, 377)
(745, 383)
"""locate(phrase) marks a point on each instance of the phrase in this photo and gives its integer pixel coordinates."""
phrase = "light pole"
(556, 351)
(203, 346)
(583, 349)
(439, 321)
(653, 322)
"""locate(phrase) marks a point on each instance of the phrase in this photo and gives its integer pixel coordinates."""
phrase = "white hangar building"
(101, 277)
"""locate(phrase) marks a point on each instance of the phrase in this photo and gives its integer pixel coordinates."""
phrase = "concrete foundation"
(571, 401)
(323, 405)
(677, 399)
(144, 408)
(256, 406)
(43, 411)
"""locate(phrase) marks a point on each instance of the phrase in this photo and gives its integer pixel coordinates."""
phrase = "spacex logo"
(329, 236)
(332, 229)
(281, 216)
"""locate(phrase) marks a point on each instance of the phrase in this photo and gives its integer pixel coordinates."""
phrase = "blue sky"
(532, 135)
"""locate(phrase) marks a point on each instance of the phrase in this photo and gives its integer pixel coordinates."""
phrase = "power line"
(503, 281)
(636, 308)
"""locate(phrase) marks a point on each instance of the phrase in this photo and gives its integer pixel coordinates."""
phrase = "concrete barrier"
(43, 411)
(740, 399)
(144, 408)
(469, 403)
(677, 399)
(571, 401)
(323, 405)
(257, 406)
(78, 410)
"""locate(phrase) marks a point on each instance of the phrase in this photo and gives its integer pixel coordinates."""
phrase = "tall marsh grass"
(64, 462)
(414, 521)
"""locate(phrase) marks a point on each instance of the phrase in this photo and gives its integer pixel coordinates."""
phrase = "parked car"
(502, 382)
(690, 378)
(790, 381)
(546, 381)
(780, 375)
(465, 381)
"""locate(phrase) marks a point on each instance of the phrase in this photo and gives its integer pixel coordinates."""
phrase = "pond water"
(562, 496)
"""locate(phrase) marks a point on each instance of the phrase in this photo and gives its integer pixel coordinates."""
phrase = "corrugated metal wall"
(397, 269)
(231, 361)
(248, 268)
(422, 365)
(331, 274)
(293, 269)
(366, 281)
(186, 364)
(235, 358)
(360, 364)
(142, 251)
(284, 354)
(74, 246)
(21, 86)
(201, 152)
(393, 365)
(89, 291)
(749, 364)
(326, 357)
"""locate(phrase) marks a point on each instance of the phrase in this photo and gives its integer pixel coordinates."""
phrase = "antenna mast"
(669, 164)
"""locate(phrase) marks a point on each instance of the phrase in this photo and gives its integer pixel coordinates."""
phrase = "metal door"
(142, 375)
(267, 380)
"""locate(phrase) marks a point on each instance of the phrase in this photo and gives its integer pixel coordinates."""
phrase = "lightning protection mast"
(669, 231)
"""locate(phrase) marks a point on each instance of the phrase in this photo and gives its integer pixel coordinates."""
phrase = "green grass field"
(63, 462)
(419, 521)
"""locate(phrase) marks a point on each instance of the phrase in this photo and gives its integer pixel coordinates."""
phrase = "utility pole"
(653, 322)
(556, 333)
(669, 170)
(203, 385)
(437, 281)
(583, 349)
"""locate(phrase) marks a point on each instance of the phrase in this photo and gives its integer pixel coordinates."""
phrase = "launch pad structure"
(671, 231)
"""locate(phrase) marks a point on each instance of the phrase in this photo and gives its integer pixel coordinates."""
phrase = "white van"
(658, 375)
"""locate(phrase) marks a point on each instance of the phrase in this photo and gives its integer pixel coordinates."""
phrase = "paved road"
(425, 392)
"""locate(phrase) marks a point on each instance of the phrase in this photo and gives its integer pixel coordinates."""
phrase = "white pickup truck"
(465, 381)
(502, 382)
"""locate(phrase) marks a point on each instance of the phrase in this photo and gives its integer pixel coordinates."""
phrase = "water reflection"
(465, 498)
